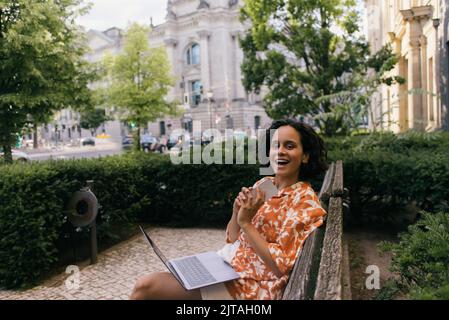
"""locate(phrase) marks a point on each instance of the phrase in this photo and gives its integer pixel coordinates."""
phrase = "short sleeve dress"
(284, 221)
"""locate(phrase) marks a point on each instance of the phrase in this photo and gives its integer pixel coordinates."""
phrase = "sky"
(105, 14)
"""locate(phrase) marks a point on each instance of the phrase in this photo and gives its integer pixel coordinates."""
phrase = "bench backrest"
(317, 272)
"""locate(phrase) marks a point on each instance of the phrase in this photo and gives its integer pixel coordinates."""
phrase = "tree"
(91, 119)
(138, 80)
(354, 105)
(41, 63)
(304, 52)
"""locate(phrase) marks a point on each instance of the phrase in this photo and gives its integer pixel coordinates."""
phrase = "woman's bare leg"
(162, 286)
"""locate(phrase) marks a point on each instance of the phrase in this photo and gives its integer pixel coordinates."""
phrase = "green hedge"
(385, 173)
(130, 188)
(421, 258)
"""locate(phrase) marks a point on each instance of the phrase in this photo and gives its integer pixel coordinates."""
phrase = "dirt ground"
(363, 252)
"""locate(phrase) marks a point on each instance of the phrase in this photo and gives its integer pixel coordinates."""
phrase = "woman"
(264, 238)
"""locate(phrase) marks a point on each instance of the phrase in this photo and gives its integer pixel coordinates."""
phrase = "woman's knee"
(146, 287)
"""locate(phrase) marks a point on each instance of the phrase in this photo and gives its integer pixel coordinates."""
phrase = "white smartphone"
(268, 187)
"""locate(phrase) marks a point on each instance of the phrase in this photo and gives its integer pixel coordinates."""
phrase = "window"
(187, 124)
(162, 128)
(196, 92)
(229, 122)
(256, 122)
(193, 54)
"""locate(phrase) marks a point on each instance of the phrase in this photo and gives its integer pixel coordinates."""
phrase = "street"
(102, 148)
(90, 152)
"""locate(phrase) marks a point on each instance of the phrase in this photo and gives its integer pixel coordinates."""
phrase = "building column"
(238, 90)
(205, 65)
(437, 77)
(414, 77)
(416, 18)
(394, 114)
(170, 45)
(425, 92)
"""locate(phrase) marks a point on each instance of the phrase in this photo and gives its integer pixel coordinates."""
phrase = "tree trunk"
(5, 136)
(35, 144)
(373, 120)
(137, 144)
(7, 153)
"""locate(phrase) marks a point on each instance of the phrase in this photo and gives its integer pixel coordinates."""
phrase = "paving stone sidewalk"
(117, 269)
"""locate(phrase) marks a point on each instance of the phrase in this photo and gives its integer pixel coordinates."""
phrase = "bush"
(421, 258)
(403, 143)
(130, 188)
(149, 188)
(385, 174)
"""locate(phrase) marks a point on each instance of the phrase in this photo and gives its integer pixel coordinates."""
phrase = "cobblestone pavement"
(117, 269)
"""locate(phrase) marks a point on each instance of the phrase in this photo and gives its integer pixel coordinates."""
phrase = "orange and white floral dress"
(284, 221)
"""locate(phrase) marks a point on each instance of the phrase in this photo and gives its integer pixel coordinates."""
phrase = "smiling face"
(286, 152)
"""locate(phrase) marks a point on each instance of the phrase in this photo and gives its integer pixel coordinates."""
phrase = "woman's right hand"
(238, 202)
(250, 204)
(236, 206)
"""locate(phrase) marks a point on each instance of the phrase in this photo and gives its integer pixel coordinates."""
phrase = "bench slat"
(337, 183)
(326, 187)
(329, 274)
(317, 272)
(302, 283)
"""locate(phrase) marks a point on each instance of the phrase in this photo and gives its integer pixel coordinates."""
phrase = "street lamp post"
(210, 95)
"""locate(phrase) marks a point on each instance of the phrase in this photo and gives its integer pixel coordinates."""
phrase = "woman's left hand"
(249, 205)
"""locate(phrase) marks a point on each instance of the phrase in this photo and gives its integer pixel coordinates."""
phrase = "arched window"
(193, 54)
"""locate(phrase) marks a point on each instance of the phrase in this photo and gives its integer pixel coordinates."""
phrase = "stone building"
(418, 32)
(201, 40)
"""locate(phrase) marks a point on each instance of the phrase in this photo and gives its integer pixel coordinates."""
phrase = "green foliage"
(133, 187)
(91, 119)
(42, 67)
(313, 60)
(421, 258)
(406, 142)
(139, 80)
(384, 173)
(387, 175)
(389, 291)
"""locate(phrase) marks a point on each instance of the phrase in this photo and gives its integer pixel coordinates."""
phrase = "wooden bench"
(318, 272)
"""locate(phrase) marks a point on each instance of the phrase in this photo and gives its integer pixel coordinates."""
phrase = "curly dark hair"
(312, 145)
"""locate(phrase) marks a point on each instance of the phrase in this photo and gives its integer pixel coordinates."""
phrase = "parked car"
(159, 146)
(28, 143)
(171, 142)
(147, 142)
(88, 141)
(206, 139)
(127, 142)
(176, 149)
(17, 155)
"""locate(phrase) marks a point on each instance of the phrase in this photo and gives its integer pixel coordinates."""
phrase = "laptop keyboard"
(194, 271)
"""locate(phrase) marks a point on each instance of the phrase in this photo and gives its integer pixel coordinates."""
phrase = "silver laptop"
(197, 271)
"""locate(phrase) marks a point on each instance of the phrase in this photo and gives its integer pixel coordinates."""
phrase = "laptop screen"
(162, 257)
(154, 246)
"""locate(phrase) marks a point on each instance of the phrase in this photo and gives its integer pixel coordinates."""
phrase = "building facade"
(418, 32)
(65, 126)
(202, 43)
